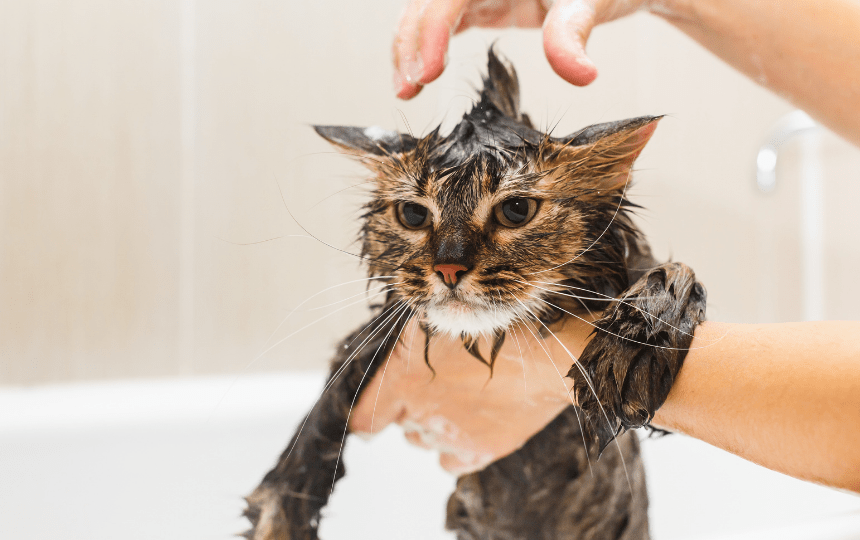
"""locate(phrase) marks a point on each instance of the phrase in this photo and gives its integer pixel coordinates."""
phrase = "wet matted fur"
(457, 228)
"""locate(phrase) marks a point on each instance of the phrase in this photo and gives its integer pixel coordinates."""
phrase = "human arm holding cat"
(805, 50)
(784, 396)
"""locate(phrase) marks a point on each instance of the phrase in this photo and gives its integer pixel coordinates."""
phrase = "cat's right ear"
(602, 154)
(366, 142)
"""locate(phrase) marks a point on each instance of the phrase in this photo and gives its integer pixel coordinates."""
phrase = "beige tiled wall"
(145, 148)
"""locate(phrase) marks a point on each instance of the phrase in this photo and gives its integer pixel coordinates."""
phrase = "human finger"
(405, 40)
(421, 43)
(565, 33)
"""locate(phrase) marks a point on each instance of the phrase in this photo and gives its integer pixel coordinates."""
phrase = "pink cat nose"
(450, 272)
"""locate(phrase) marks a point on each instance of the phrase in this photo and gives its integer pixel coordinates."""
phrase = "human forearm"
(807, 51)
(786, 396)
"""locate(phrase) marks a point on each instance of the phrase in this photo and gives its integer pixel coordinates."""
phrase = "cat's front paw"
(628, 368)
(277, 513)
(287, 504)
(266, 514)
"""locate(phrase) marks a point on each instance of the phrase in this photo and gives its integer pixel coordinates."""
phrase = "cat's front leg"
(639, 345)
(288, 503)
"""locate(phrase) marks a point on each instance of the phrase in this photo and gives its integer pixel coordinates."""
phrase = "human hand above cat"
(471, 418)
(421, 42)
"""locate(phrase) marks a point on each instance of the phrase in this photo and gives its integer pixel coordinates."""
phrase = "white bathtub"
(171, 460)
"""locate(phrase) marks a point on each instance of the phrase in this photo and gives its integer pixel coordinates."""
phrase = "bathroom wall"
(155, 157)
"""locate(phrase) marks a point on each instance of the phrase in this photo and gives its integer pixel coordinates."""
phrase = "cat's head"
(479, 228)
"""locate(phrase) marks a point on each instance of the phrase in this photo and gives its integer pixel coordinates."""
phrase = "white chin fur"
(457, 319)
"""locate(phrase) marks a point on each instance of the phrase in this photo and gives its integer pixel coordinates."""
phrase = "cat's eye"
(515, 212)
(413, 215)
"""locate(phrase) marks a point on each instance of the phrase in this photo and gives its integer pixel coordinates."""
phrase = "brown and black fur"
(579, 250)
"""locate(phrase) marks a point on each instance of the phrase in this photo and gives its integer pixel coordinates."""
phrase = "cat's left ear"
(372, 140)
(604, 152)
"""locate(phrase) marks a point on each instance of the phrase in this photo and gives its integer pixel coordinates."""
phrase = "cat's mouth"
(466, 309)
(459, 307)
(474, 317)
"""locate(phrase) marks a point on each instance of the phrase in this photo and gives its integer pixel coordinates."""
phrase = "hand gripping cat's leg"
(288, 502)
(628, 368)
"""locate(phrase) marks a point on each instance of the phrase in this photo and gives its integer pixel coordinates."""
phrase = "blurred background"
(156, 156)
(145, 144)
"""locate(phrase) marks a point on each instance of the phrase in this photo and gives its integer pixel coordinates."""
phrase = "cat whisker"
(363, 157)
(548, 355)
(522, 361)
(645, 312)
(378, 288)
(392, 310)
(346, 363)
(404, 309)
(323, 242)
(341, 369)
(286, 206)
(308, 299)
(389, 313)
(288, 336)
(602, 410)
(256, 358)
(581, 300)
(418, 314)
(581, 431)
(535, 335)
(263, 241)
(385, 369)
(593, 391)
(631, 340)
(572, 357)
(607, 298)
(549, 129)
(327, 197)
(611, 221)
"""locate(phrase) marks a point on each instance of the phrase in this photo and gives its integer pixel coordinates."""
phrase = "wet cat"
(473, 231)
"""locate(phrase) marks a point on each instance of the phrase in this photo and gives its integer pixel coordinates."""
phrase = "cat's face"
(475, 246)
(477, 227)
(464, 243)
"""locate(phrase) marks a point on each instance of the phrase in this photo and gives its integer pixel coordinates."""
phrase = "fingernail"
(412, 69)
(402, 88)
